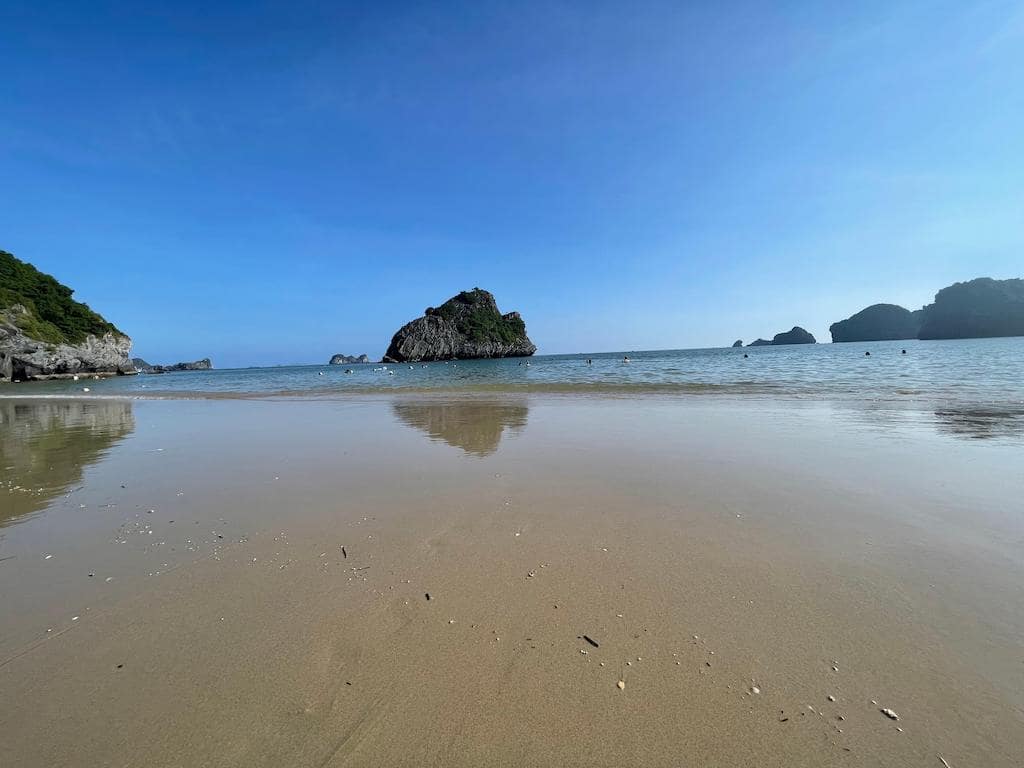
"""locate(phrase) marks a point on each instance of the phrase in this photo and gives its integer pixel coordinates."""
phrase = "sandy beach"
(245, 583)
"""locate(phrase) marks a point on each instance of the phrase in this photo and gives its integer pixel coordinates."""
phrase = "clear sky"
(274, 182)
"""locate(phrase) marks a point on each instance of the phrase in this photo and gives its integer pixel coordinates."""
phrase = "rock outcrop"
(346, 359)
(467, 326)
(23, 358)
(879, 322)
(979, 308)
(796, 335)
(45, 334)
(737, 343)
(760, 343)
(142, 366)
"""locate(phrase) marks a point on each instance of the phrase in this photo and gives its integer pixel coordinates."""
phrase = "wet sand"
(837, 565)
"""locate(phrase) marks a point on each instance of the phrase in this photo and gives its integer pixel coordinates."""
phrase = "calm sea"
(973, 373)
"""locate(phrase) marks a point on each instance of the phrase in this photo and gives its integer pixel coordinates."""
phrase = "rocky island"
(738, 343)
(979, 308)
(346, 359)
(879, 322)
(467, 326)
(45, 334)
(142, 366)
(795, 336)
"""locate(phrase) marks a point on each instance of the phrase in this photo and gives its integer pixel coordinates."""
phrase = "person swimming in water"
(625, 359)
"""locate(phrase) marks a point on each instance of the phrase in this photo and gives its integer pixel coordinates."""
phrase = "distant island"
(465, 327)
(879, 322)
(46, 334)
(142, 366)
(796, 335)
(980, 308)
(737, 343)
(345, 359)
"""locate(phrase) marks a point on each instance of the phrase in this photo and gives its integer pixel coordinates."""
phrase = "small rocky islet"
(341, 359)
(796, 335)
(141, 366)
(467, 326)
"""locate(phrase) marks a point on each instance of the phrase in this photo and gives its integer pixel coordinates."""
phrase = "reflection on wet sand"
(980, 423)
(46, 445)
(475, 427)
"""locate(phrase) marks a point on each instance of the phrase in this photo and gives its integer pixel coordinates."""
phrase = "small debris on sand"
(621, 685)
(889, 713)
(591, 641)
(427, 595)
(345, 555)
(754, 689)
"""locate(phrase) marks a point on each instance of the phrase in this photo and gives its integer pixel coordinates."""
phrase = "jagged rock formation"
(760, 343)
(466, 326)
(796, 335)
(344, 359)
(142, 366)
(879, 322)
(979, 308)
(44, 333)
(737, 343)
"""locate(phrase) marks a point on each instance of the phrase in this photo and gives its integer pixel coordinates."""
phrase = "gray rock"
(23, 358)
(737, 343)
(346, 359)
(467, 326)
(142, 366)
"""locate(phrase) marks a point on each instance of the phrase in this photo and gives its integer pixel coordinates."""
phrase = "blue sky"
(276, 182)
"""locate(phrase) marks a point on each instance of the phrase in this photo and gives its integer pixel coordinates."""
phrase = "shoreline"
(806, 566)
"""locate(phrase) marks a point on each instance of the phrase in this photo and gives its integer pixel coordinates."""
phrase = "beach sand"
(760, 580)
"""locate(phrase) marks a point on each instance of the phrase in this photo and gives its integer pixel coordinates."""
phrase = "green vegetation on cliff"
(475, 315)
(53, 316)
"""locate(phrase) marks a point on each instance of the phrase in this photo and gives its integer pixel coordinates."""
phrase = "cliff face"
(795, 336)
(879, 322)
(466, 326)
(23, 358)
(976, 309)
(44, 333)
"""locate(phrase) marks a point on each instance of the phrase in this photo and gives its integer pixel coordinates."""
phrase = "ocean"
(982, 373)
